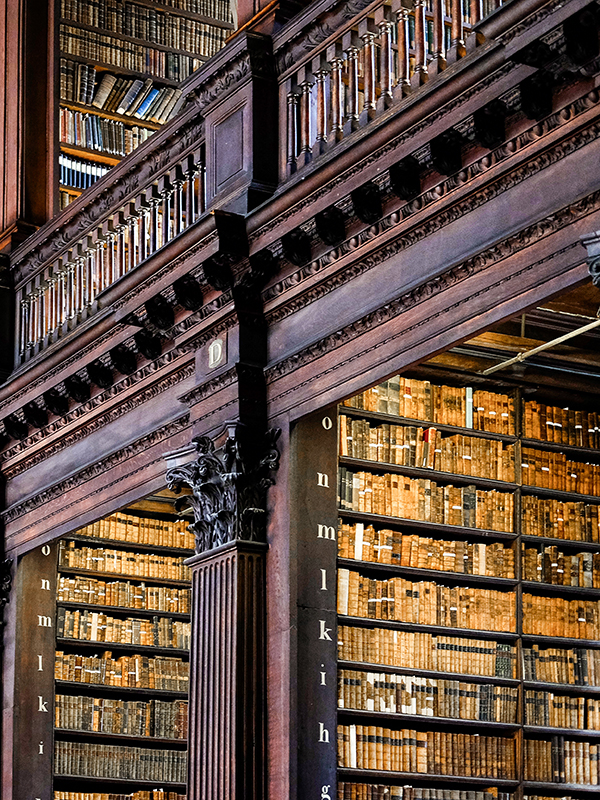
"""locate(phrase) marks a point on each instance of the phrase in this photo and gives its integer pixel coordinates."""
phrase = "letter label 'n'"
(323, 479)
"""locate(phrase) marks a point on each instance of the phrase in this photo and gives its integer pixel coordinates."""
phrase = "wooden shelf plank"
(424, 574)
(188, 14)
(130, 783)
(104, 65)
(90, 573)
(124, 38)
(570, 543)
(78, 644)
(97, 736)
(118, 544)
(377, 416)
(432, 528)
(563, 787)
(361, 464)
(584, 452)
(126, 120)
(569, 688)
(439, 630)
(558, 494)
(419, 720)
(385, 775)
(87, 689)
(427, 673)
(553, 588)
(122, 610)
(560, 641)
(546, 730)
(93, 155)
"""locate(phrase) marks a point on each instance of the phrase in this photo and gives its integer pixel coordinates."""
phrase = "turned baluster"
(420, 74)
(385, 27)
(335, 59)
(165, 190)
(24, 327)
(153, 200)
(293, 126)
(305, 85)
(177, 181)
(320, 72)
(402, 87)
(457, 49)
(120, 228)
(367, 35)
(438, 62)
(350, 44)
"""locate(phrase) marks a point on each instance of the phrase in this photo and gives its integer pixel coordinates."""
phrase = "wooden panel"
(34, 674)
(315, 518)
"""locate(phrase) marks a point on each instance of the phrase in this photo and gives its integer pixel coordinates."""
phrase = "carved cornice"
(133, 402)
(378, 155)
(432, 196)
(529, 22)
(99, 468)
(201, 392)
(316, 32)
(472, 266)
(143, 168)
(229, 486)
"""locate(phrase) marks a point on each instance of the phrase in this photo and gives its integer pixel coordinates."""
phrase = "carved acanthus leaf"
(229, 487)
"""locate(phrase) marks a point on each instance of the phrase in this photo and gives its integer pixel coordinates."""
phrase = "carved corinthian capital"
(229, 486)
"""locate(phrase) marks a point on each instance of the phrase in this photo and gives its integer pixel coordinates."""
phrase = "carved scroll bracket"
(591, 242)
(229, 485)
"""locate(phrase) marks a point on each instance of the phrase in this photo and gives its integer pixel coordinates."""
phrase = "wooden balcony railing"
(334, 69)
(376, 59)
(65, 292)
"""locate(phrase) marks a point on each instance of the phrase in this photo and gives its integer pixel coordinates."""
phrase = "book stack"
(78, 173)
(106, 699)
(506, 569)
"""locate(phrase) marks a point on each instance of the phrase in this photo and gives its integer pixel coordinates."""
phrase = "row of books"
(141, 530)
(91, 626)
(412, 650)
(377, 791)
(425, 603)
(427, 448)
(561, 425)
(123, 594)
(65, 198)
(556, 471)
(435, 753)
(423, 499)
(133, 672)
(153, 794)
(115, 761)
(364, 543)
(575, 521)
(107, 49)
(462, 406)
(561, 711)
(149, 24)
(550, 565)
(577, 667)
(156, 718)
(122, 562)
(220, 9)
(556, 616)
(406, 694)
(78, 173)
(77, 81)
(97, 133)
(561, 760)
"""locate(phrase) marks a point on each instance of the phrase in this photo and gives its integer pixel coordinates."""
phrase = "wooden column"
(227, 753)
(227, 677)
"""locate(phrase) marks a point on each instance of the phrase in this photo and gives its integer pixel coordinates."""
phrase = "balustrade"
(379, 58)
(66, 292)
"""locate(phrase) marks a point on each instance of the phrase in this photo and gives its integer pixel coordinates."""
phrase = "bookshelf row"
(105, 49)
(96, 133)
(467, 575)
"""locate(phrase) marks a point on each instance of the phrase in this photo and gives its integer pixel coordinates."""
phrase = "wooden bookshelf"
(373, 573)
(124, 708)
(92, 155)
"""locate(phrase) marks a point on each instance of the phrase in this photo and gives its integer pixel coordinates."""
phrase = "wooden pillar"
(228, 479)
(227, 677)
